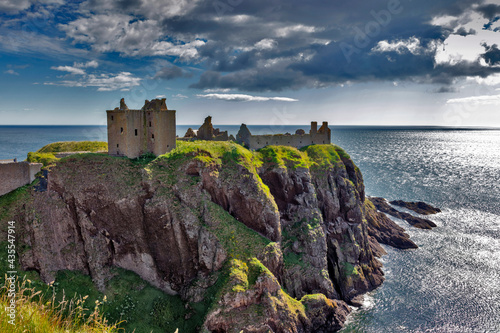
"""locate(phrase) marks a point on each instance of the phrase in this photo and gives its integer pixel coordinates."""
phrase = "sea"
(451, 283)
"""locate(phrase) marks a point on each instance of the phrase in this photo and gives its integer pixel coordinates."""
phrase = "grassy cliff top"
(218, 152)
(68, 146)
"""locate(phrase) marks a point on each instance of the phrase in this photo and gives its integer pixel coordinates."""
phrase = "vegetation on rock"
(220, 238)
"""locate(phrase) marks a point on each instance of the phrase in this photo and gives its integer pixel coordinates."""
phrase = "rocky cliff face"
(286, 235)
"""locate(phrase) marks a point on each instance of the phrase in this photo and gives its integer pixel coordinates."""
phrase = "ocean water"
(451, 283)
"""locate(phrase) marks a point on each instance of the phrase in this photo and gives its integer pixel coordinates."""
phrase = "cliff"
(280, 239)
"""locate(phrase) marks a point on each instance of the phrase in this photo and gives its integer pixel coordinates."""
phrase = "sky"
(377, 62)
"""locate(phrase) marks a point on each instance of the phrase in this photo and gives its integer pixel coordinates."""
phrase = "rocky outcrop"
(418, 207)
(383, 206)
(284, 236)
(386, 231)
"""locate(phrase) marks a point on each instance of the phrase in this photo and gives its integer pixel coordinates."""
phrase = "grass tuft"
(36, 313)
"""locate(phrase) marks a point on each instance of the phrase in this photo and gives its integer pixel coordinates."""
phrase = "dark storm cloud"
(171, 72)
(445, 90)
(489, 11)
(463, 32)
(492, 54)
(272, 45)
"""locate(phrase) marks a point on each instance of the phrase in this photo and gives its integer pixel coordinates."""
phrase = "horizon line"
(338, 125)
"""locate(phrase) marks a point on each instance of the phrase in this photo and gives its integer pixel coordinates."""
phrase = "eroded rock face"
(267, 221)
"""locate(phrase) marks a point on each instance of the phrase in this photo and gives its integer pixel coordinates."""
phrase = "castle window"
(112, 118)
(149, 124)
(152, 136)
(121, 129)
(266, 142)
(323, 141)
(136, 132)
(168, 146)
(117, 145)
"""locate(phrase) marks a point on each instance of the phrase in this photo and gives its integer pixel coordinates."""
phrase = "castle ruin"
(298, 140)
(245, 137)
(133, 133)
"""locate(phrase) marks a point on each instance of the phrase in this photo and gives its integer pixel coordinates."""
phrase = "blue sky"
(381, 62)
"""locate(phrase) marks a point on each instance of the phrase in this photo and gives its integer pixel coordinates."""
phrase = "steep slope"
(281, 234)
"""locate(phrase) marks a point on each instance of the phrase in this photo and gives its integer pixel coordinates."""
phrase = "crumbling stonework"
(133, 133)
(190, 133)
(208, 132)
(297, 140)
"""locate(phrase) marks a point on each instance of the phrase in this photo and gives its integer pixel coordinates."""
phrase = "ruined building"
(207, 132)
(245, 137)
(298, 140)
(133, 133)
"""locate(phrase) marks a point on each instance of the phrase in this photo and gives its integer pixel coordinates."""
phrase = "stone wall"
(315, 136)
(14, 175)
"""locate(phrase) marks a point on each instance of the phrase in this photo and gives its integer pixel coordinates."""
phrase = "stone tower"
(132, 133)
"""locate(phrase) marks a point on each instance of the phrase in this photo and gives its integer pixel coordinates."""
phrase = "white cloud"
(266, 44)
(491, 80)
(126, 35)
(77, 67)
(69, 69)
(15, 6)
(411, 45)
(13, 41)
(246, 98)
(88, 64)
(217, 90)
(298, 28)
(477, 100)
(157, 9)
(179, 96)
(123, 81)
(11, 72)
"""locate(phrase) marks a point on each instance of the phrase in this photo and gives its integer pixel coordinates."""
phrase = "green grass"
(44, 158)
(213, 152)
(323, 156)
(45, 155)
(9, 203)
(37, 312)
(239, 241)
(283, 157)
(68, 146)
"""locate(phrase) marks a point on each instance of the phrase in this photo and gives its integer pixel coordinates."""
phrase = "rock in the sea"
(418, 207)
(383, 206)
(385, 230)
